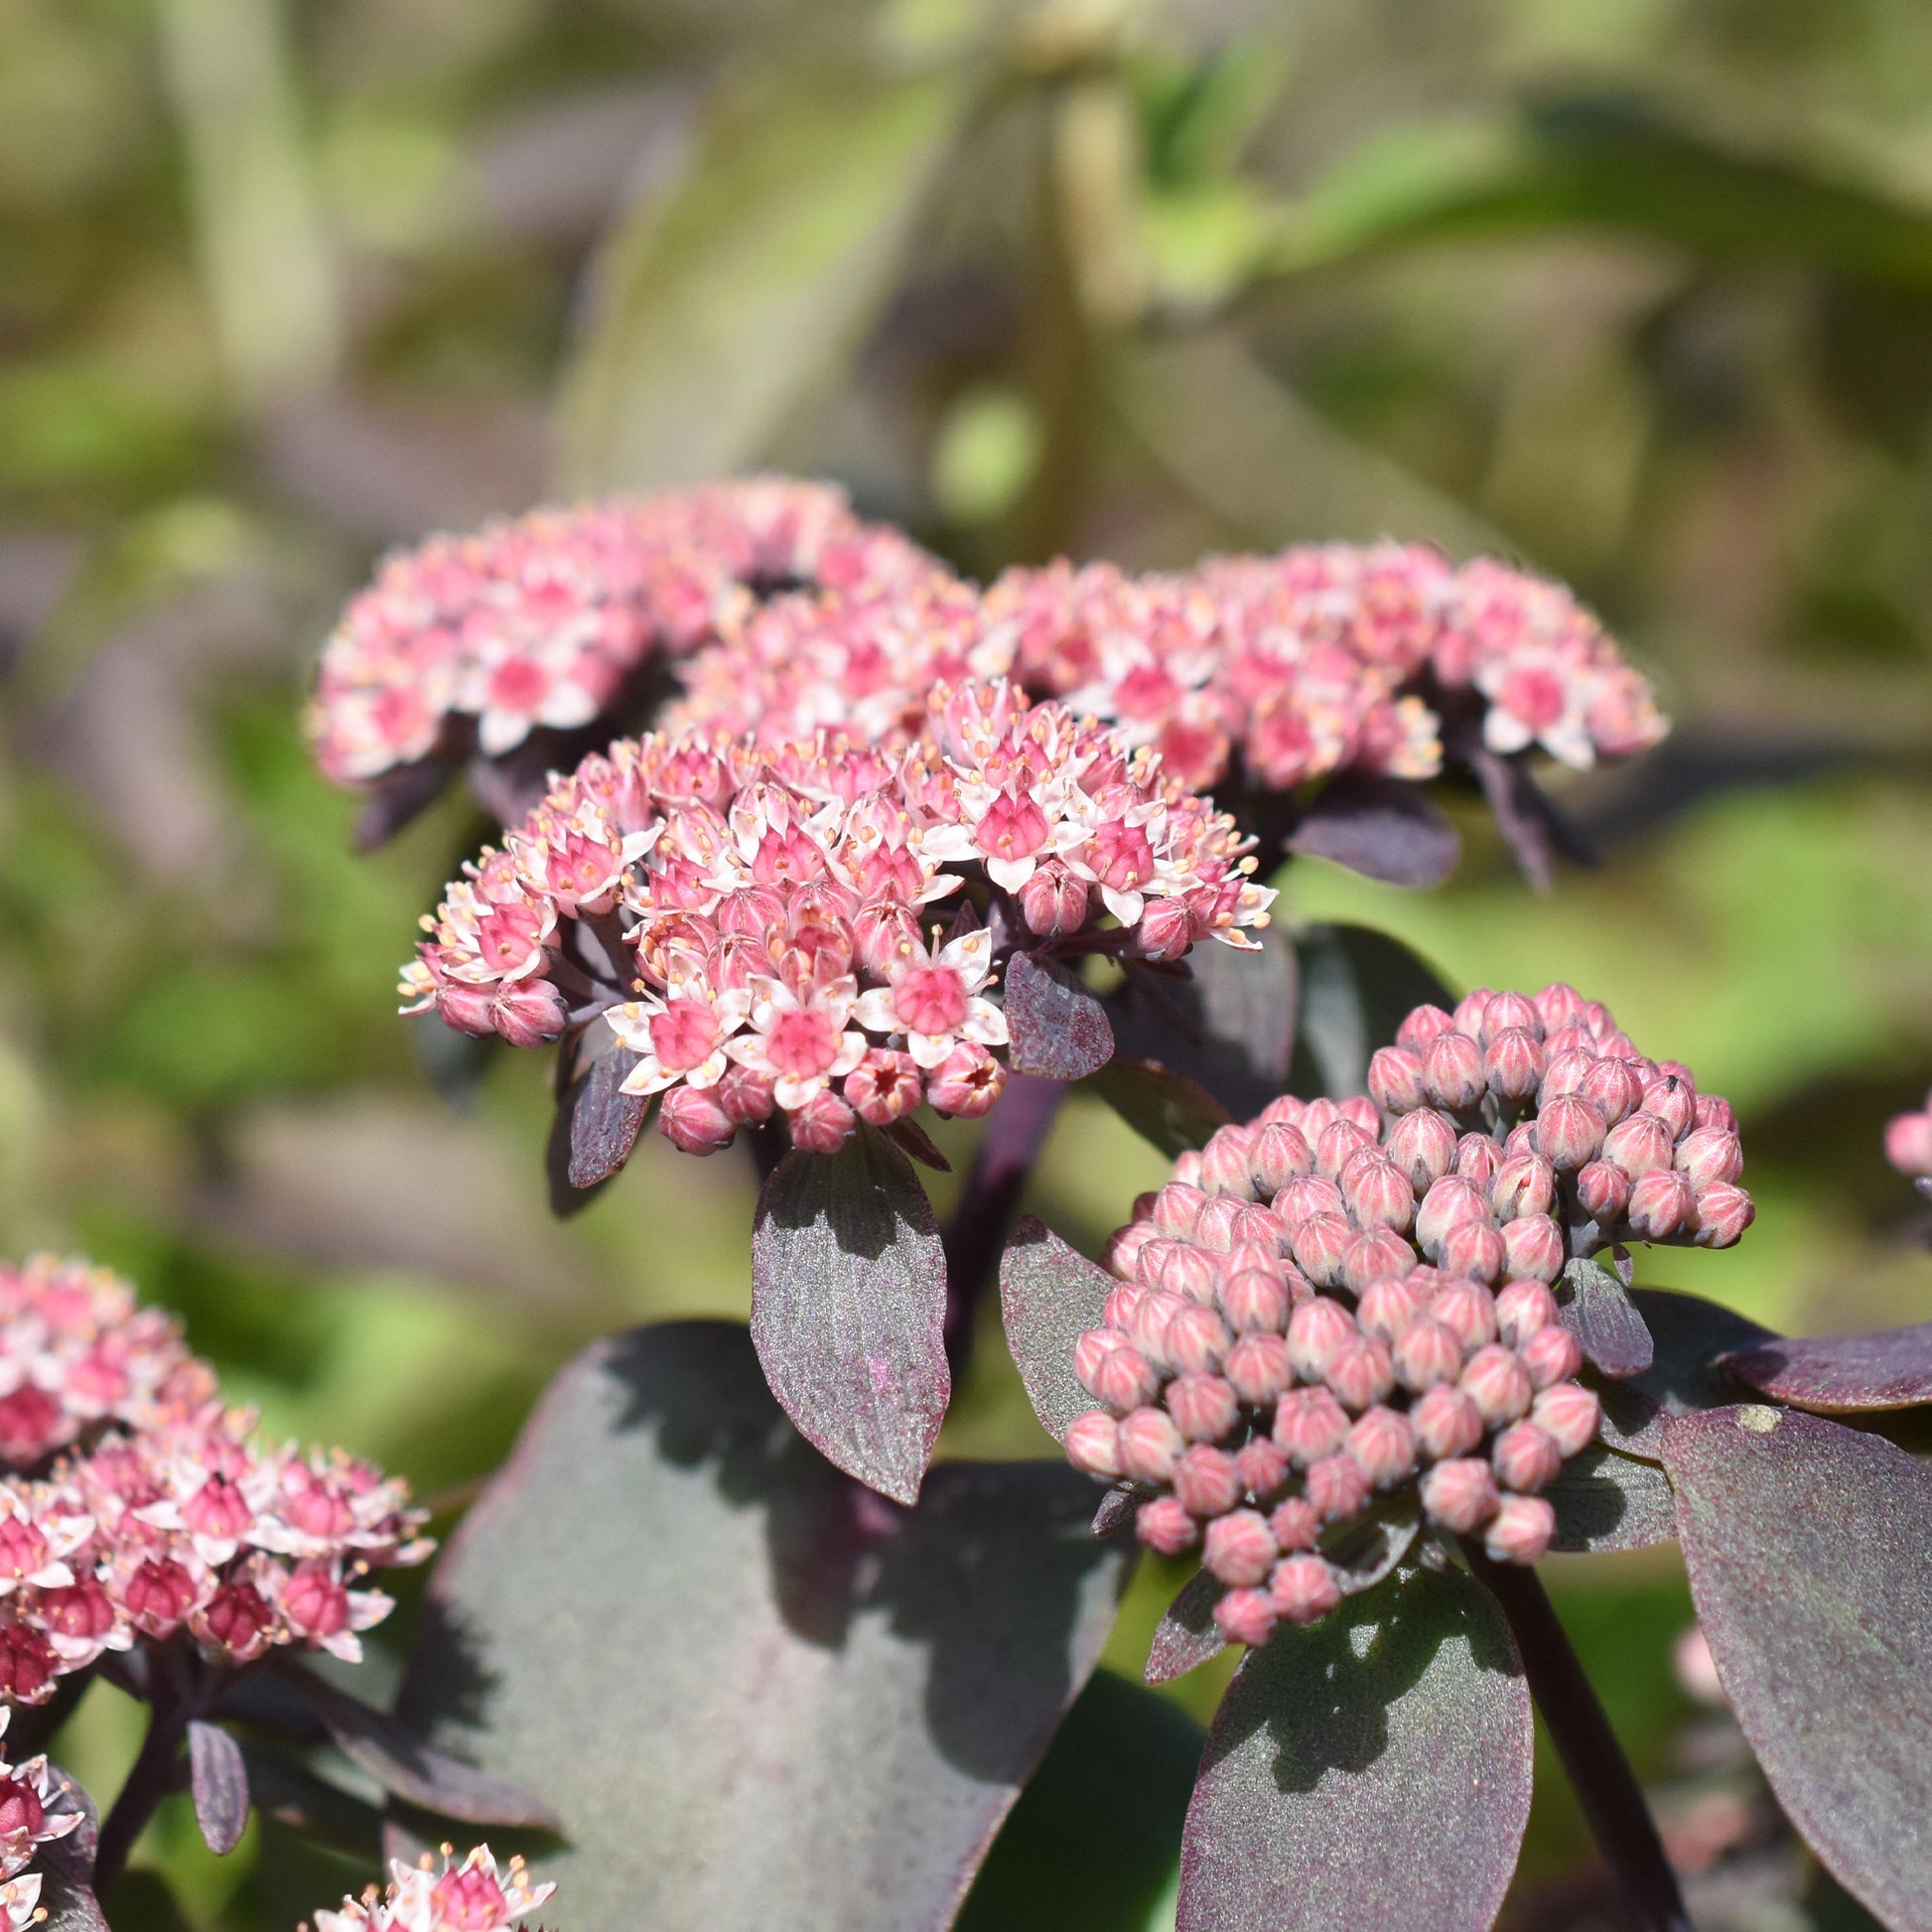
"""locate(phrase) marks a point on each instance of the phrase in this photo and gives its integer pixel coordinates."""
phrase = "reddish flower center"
(1534, 695)
(28, 1418)
(683, 1034)
(23, 1549)
(1013, 828)
(1120, 856)
(469, 1902)
(218, 1509)
(803, 1042)
(517, 684)
(929, 1000)
(21, 1811)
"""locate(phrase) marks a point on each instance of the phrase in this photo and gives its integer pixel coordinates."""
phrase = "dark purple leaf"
(1372, 1771)
(1187, 1635)
(1049, 1298)
(849, 1309)
(1164, 1107)
(1227, 1025)
(1688, 1334)
(397, 800)
(67, 1865)
(293, 1795)
(746, 1684)
(597, 1122)
(1533, 825)
(1595, 1308)
(1116, 1510)
(399, 1760)
(1608, 1501)
(1843, 1374)
(219, 1780)
(1367, 1549)
(918, 1144)
(1056, 1026)
(1357, 986)
(1806, 1543)
(1383, 828)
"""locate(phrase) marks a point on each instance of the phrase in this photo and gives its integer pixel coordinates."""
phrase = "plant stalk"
(154, 1776)
(1599, 1773)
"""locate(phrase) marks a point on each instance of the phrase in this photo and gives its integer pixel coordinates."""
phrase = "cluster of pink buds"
(474, 642)
(771, 906)
(1908, 1144)
(36, 1807)
(476, 1895)
(78, 1353)
(1347, 1306)
(192, 1525)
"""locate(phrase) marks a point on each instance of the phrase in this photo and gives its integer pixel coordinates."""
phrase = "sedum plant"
(799, 835)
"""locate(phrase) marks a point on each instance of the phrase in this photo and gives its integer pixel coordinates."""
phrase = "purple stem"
(1599, 1773)
(975, 1237)
(179, 1689)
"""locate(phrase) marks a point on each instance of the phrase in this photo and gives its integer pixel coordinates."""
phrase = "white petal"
(1127, 907)
(1012, 874)
(1503, 732)
(876, 1012)
(498, 732)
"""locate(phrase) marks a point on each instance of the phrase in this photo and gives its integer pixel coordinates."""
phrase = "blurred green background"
(1636, 291)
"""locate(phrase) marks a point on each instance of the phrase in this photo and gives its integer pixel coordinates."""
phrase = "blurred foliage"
(1638, 293)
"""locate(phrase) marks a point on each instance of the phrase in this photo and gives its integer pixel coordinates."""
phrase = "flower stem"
(975, 1237)
(154, 1776)
(1599, 1773)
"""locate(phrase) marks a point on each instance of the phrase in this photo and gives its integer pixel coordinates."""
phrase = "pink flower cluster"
(192, 1525)
(772, 908)
(36, 1807)
(1319, 659)
(543, 620)
(77, 1354)
(476, 1895)
(1345, 1307)
(1908, 1144)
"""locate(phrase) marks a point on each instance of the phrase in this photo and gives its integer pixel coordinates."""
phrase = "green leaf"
(1372, 1771)
(1357, 987)
(1806, 1543)
(726, 299)
(745, 1683)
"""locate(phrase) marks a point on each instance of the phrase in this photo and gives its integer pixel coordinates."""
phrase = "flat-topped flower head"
(475, 1894)
(1908, 1145)
(1348, 1311)
(78, 1353)
(553, 622)
(818, 929)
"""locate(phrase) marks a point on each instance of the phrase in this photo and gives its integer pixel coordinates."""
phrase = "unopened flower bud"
(1714, 1111)
(1093, 1348)
(967, 1082)
(1197, 1341)
(1526, 1457)
(1569, 1132)
(1336, 1145)
(1453, 1072)
(1460, 1495)
(1278, 1154)
(1512, 1065)
(1376, 1193)
(1317, 1332)
(1093, 1443)
(1427, 1353)
(1479, 1159)
(1337, 1488)
(1374, 1254)
(1661, 1203)
(1359, 1373)
(1246, 1616)
(1164, 1525)
(1258, 1368)
(1149, 1444)
(1707, 1155)
(1203, 1407)
(1521, 1530)
(1125, 1380)
(1564, 1072)
(1321, 1243)
(1150, 1320)
(1304, 1589)
(1558, 1003)
(1224, 1162)
(530, 1013)
(1262, 1467)
(1612, 1087)
(884, 1086)
(1053, 900)
(1604, 1191)
(1498, 1384)
(1471, 1009)
(1724, 1212)
(1206, 1482)
(1382, 1445)
(1309, 1423)
(1394, 1079)
(1522, 1307)
(1571, 1413)
(1215, 1228)
(1387, 1310)
(1421, 1026)
(1188, 1272)
(1551, 1355)
(1122, 1304)
(822, 1125)
(1422, 1146)
(693, 1120)
(1673, 1099)
(1187, 1170)
(1296, 1525)
(1468, 1311)
(1507, 1011)
(1533, 1248)
(1447, 1424)
(1177, 1208)
(1302, 1198)
(1640, 1145)
(1450, 1202)
(1525, 1183)
(1254, 1300)
(1239, 1549)
(1475, 1249)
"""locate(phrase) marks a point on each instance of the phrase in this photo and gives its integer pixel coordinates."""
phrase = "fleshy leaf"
(1372, 1771)
(740, 1677)
(1367, 1549)
(1357, 987)
(397, 800)
(1050, 1296)
(1608, 1501)
(1187, 1635)
(597, 1122)
(1166, 1108)
(1841, 1374)
(849, 1309)
(1383, 828)
(67, 1865)
(219, 1780)
(1806, 1543)
(1056, 1027)
(1595, 1308)
(1688, 1334)
(1116, 1509)
(401, 1762)
(1228, 1025)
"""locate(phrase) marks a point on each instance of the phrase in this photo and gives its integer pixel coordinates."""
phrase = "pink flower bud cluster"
(541, 621)
(476, 1895)
(36, 1807)
(770, 908)
(1348, 1304)
(192, 1525)
(78, 1353)
(1908, 1143)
